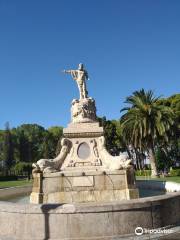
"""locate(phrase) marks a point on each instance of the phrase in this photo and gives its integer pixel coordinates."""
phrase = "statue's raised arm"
(80, 76)
(67, 71)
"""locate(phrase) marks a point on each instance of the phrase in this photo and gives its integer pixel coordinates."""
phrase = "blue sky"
(125, 45)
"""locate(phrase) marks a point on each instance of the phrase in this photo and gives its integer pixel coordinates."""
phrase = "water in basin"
(19, 199)
(150, 192)
(142, 192)
(23, 198)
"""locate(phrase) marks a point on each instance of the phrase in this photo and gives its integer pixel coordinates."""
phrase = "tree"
(55, 134)
(30, 138)
(7, 149)
(32, 142)
(111, 135)
(23, 167)
(163, 159)
(145, 122)
(172, 149)
(1, 146)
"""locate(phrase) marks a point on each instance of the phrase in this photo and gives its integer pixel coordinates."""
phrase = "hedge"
(143, 173)
(8, 178)
(175, 172)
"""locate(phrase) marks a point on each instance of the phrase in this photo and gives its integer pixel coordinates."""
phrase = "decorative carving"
(97, 161)
(100, 157)
(53, 165)
(83, 144)
(83, 134)
(83, 151)
(72, 151)
(95, 149)
(83, 110)
(112, 162)
(71, 163)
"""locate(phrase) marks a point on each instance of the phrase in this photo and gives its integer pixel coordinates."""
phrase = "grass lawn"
(167, 179)
(5, 184)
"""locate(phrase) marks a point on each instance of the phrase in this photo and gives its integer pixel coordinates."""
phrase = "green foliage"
(7, 148)
(29, 139)
(56, 134)
(8, 178)
(35, 142)
(173, 102)
(143, 172)
(145, 120)
(113, 135)
(23, 167)
(173, 147)
(28, 143)
(163, 159)
(11, 183)
(146, 123)
(163, 179)
(175, 172)
(150, 125)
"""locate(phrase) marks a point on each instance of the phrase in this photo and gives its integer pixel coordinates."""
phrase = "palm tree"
(145, 122)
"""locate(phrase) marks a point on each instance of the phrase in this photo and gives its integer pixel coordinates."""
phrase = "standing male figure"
(80, 76)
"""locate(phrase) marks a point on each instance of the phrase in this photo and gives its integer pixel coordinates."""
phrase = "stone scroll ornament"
(53, 165)
(112, 162)
(106, 159)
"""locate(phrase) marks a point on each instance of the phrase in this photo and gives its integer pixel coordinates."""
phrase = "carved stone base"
(76, 130)
(84, 151)
(83, 171)
(87, 186)
(83, 110)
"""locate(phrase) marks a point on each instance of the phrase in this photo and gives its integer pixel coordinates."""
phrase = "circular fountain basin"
(88, 220)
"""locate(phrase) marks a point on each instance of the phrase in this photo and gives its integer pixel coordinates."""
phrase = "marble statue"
(80, 76)
(84, 130)
(83, 171)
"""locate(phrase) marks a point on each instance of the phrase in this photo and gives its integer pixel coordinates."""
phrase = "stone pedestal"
(87, 186)
(83, 110)
(84, 150)
(83, 171)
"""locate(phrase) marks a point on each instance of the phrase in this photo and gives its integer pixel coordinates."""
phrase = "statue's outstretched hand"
(67, 71)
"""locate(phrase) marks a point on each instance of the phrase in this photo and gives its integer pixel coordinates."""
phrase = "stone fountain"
(83, 171)
(83, 192)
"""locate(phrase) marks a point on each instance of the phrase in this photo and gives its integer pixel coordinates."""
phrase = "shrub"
(175, 172)
(8, 178)
(23, 167)
(143, 173)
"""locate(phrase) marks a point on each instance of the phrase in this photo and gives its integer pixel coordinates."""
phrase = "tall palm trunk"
(137, 160)
(152, 159)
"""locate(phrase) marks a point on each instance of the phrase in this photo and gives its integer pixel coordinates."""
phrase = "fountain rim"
(90, 207)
